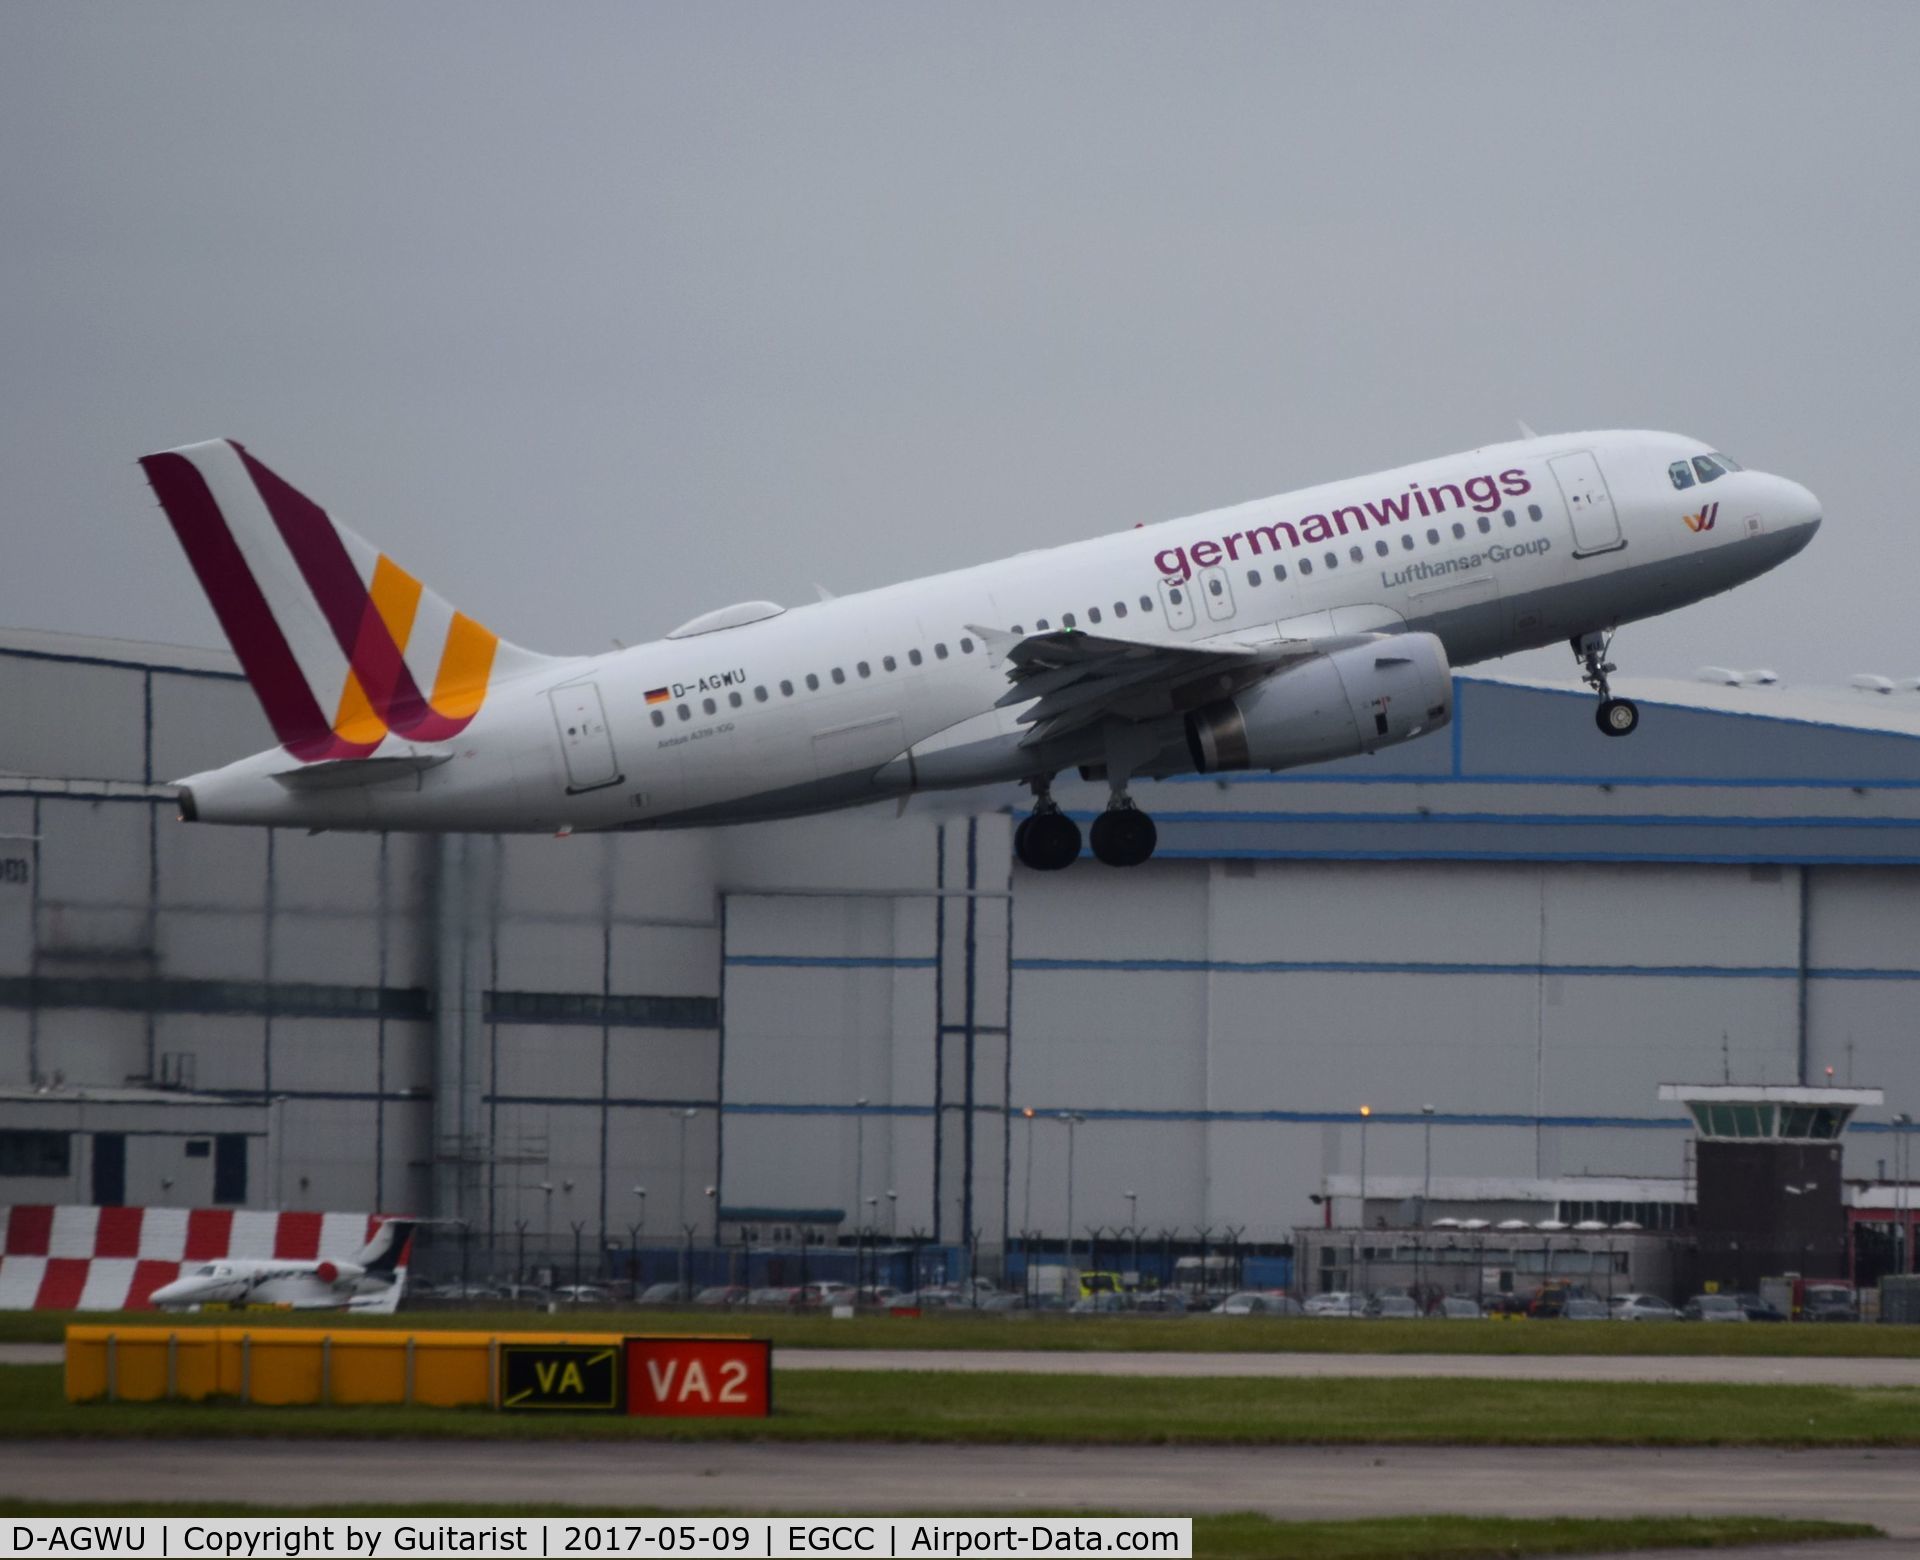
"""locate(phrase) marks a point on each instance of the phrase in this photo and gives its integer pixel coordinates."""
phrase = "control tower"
(1767, 1168)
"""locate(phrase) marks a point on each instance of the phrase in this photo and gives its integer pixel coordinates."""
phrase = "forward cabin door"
(580, 719)
(1596, 527)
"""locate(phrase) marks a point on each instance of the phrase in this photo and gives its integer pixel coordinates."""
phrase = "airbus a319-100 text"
(1317, 625)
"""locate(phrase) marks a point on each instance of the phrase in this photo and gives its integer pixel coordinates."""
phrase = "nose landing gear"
(1615, 717)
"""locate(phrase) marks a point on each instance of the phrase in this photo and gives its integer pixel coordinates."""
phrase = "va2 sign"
(700, 1377)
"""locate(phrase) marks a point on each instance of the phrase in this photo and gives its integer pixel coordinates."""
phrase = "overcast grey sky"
(600, 315)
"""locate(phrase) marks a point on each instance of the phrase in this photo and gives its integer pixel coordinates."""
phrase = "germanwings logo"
(341, 644)
(1704, 520)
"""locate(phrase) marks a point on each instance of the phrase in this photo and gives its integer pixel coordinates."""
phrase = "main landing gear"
(1615, 717)
(1048, 841)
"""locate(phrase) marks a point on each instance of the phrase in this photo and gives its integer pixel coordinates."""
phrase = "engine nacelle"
(1352, 701)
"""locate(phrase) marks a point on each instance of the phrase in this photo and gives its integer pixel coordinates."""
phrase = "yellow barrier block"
(282, 1365)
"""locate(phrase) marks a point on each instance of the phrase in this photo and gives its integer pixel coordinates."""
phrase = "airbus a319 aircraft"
(1317, 625)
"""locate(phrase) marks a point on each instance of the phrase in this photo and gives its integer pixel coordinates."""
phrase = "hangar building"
(1519, 923)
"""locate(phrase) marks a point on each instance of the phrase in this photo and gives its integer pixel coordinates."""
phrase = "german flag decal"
(656, 696)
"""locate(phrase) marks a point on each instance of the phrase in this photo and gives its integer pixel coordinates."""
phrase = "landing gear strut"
(1615, 717)
(1049, 840)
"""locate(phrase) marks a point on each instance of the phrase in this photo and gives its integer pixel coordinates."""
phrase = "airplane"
(373, 1281)
(1316, 625)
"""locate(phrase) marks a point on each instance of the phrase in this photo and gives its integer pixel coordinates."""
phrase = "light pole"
(1426, 1178)
(639, 1234)
(859, 1154)
(1365, 1112)
(683, 1116)
(1133, 1228)
(893, 1215)
(1026, 1220)
(1072, 1118)
(1903, 1171)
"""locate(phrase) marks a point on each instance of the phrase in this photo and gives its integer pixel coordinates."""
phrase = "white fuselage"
(833, 704)
(302, 1286)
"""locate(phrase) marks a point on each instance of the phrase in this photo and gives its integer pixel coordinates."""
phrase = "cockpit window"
(1681, 473)
(205, 1272)
(1727, 462)
(1707, 466)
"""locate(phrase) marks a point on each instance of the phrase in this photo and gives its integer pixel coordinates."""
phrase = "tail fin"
(387, 1249)
(341, 644)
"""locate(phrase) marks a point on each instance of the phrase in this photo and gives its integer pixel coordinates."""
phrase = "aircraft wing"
(1074, 679)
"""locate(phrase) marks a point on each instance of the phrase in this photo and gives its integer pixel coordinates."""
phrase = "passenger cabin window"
(1406, 541)
(709, 706)
(889, 663)
(863, 669)
(1433, 537)
(1533, 511)
(1681, 474)
(1119, 609)
(786, 689)
(1306, 566)
(1380, 548)
(1253, 576)
(838, 675)
(734, 700)
(659, 719)
(1356, 555)
(760, 694)
(1093, 614)
(1485, 524)
(1146, 603)
(1508, 516)
(914, 658)
(1066, 621)
(940, 652)
(813, 682)
(1279, 572)
(685, 713)
(1333, 560)
(1039, 625)
(1459, 532)
(966, 647)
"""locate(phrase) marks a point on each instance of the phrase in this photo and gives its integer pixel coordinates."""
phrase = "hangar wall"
(1529, 929)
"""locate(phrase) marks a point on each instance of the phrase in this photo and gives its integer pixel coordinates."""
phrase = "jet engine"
(1349, 701)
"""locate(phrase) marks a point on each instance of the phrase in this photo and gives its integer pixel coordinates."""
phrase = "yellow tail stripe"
(357, 721)
(396, 597)
(460, 685)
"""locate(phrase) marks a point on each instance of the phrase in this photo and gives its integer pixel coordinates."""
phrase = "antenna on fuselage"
(1525, 431)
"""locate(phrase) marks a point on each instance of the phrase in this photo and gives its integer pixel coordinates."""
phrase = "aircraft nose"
(1798, 509)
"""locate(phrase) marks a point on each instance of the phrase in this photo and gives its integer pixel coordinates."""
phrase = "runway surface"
(1738, 1371)
(1882, 1487)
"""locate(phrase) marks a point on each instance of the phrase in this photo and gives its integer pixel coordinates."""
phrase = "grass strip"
(1126, 1334)
(931, 1407)
(1234, 1536)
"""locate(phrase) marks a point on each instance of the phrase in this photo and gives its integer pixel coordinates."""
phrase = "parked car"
(877, 1294)
(1337, 1302)
(1160, 1302)
(722, 1294)
(660, 1294)
(774, 1295)
(1459, 1308)
(1713, 1308)
(1503, 1307)
(1004, 1302)
(1259, 1302)
(1578, 1308)
(1393, 1308)
(826, 1292)
(1757, 1309)
(1643, 1308)
(583, 1294)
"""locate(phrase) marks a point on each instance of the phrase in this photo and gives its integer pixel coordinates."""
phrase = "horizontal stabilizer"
(337, 773)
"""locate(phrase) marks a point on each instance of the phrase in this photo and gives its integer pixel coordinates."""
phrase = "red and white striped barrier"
(67, 1258)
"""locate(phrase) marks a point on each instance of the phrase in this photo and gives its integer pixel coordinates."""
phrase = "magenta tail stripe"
(243, 612)
(342, 596)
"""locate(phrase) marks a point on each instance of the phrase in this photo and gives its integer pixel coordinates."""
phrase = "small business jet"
(373, 1281)
(1317, 625)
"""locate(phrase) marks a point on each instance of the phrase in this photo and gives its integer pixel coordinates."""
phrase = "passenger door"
(580, 720)
(1596, 526)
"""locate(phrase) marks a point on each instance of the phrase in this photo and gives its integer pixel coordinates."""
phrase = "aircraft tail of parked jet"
(342, 645)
